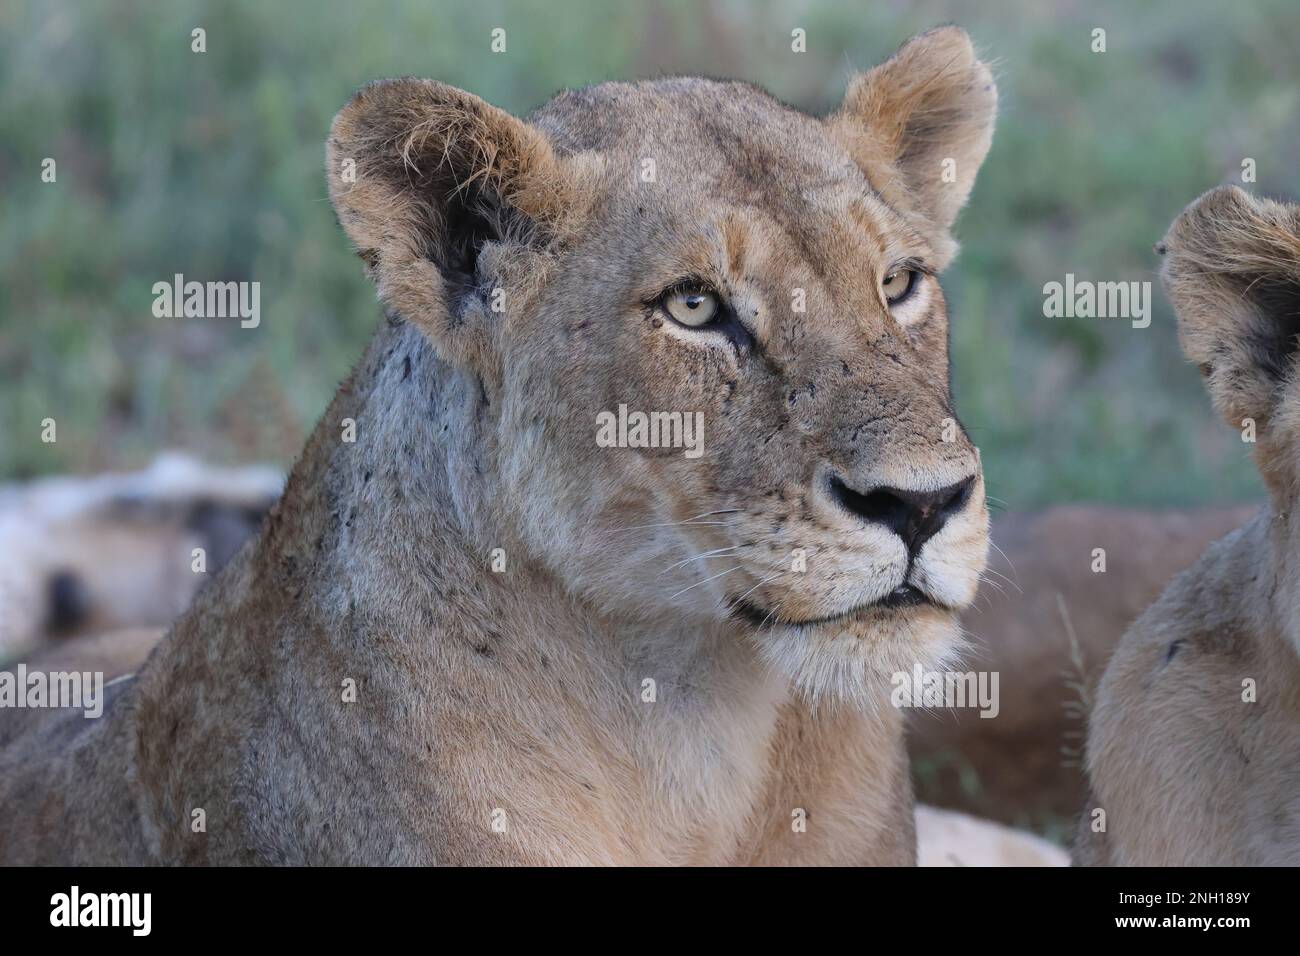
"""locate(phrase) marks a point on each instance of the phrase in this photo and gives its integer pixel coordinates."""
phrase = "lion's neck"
(406, 439)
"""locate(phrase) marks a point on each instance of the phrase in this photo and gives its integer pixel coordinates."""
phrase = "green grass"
(210, 165)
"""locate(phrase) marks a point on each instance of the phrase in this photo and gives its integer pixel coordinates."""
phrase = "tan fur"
(1187, 771)
(501, 716)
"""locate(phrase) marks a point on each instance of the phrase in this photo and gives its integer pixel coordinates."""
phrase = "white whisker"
(1016, 585)
(669, 524)
(775, 607)
(757, 586)
(705, 581)
(999, 574)
(701, 557)
(694, 520)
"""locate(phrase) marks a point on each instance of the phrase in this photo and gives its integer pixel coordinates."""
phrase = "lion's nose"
(915, 516)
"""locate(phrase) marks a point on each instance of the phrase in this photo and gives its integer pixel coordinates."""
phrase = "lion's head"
(692, 264)
(1232, 272)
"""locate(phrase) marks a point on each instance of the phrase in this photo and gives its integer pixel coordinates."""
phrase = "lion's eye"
(899, 285)
(691, 308)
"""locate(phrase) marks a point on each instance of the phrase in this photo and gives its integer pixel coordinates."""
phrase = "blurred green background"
(210, 165)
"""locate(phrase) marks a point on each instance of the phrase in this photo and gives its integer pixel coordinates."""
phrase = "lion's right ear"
(1232, 272)
(423, 176)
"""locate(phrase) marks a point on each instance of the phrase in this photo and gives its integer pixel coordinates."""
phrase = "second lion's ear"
(920, 124)
(1232, 272)
(422, 176)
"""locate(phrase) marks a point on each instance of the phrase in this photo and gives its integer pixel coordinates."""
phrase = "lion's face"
(722, 377)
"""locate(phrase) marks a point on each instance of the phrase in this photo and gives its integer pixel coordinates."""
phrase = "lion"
(1193, 748)
(470, 632)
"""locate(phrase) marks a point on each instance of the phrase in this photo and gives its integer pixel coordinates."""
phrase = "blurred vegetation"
(210, 165)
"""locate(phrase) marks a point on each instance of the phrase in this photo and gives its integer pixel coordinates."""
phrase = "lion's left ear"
(920, 123)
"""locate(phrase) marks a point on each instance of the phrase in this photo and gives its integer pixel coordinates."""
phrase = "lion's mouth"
(902, 598)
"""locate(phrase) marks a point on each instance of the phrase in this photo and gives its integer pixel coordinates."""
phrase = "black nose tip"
(915, 516)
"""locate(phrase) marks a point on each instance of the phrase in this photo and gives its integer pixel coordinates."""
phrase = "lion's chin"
(852, 659)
